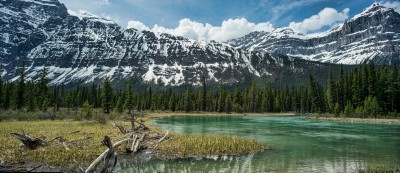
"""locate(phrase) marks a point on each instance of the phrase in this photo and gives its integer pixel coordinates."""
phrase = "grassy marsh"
(184, 146)
(82, 151)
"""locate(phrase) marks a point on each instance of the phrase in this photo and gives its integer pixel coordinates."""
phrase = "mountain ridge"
(372, 35)
(82, 50)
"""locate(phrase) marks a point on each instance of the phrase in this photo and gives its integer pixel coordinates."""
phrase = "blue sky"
(168, 14)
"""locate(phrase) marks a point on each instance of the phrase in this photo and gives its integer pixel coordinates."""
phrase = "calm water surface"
(297, 145)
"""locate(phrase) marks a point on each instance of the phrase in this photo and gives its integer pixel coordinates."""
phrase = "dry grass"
(83, 151)
(184, 146)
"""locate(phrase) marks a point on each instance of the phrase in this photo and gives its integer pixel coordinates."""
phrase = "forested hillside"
(363, 91)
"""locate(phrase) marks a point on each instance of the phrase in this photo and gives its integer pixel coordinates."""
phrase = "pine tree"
(349, 109)
(188, 100)
(253, 97)
(315, 100)
(87, 110)
(118, 107)
(42, 91)
(371, 106)
(30, 98)
(331, 94)
(171, 102)
(221, 99)
(129, 98)
(392, 89)
(228, 104)
(204, 96)
(107, 95)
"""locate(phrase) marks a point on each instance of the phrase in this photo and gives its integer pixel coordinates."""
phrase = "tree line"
(364, 91)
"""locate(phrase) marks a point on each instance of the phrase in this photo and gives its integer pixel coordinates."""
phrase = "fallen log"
(138, 142)
(166, 134)
(31, 143)
(103, 155)
(121, 128)
(133, 143)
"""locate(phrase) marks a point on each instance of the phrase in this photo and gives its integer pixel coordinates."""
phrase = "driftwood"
(133, 142)
(31, 143)
(109, 156)
(121, 128)
(133, 119)
(166, 134)
(138, 142)
(32, 169)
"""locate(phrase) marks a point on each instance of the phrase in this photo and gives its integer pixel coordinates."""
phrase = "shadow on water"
(297, 145)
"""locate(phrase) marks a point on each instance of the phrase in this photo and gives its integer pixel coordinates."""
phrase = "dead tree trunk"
(121, 128)
(109, 156)
(133, 120)
(31, 143)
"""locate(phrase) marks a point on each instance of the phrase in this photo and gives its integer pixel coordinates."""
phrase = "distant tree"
(107, 95)
(221, 99)
(42, 90)
(228, 104)
(118, 107)
(30, 98)
(87, 110)
(331, 92)
(349, 109)
(188, 100)
(371, 107)
(129, 98)
(204, 95)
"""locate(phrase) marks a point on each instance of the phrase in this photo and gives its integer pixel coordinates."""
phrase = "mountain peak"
(372, 10)
(82, 14)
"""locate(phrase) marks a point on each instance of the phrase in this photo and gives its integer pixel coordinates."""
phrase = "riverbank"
(357, 120)
(83, 142)
(154, 115)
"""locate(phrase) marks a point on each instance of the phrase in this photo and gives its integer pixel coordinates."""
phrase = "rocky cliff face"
(85, 48)
(372, 35)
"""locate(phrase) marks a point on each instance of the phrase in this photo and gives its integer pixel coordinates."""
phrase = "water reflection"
(297, 145)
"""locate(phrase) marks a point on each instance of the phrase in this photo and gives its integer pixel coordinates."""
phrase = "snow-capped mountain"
(84, 48)
(374, 34)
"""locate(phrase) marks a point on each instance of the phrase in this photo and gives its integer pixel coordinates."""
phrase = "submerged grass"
(83, 151)
(184, 146)
(382, 169)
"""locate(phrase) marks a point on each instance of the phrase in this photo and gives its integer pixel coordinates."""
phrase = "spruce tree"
(188, 100)
(118, 107)
(204, 95)
(171, 102)
(221, 99)
(107, 95)
(42, 90)
(129, 98)
(30, 97)
(331, 94)
(228, 104)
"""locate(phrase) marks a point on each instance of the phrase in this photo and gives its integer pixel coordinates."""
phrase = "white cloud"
(395, 5)
(229, 29)
(137, 25)
(326, 17)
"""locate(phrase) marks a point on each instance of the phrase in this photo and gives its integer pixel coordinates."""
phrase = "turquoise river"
(296, 144)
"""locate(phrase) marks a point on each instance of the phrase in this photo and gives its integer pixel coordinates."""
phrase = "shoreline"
(30, 164)
(156, 115)
(357, 120)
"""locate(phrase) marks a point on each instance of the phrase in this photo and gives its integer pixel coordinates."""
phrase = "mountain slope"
(85, 48)
(372, 35)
